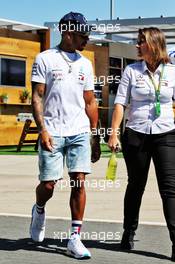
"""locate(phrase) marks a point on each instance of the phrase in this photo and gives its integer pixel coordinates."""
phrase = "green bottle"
(112, 167)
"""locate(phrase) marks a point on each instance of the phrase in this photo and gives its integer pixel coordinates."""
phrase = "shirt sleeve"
(89, 83)
(38, 70)
(124, 88)
(174, 94)
(173, 74)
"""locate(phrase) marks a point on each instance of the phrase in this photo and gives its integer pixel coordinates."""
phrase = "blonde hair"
(156, 42)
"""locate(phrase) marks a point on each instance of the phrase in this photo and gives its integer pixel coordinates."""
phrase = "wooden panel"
(44, 39)
(8, 33)
(12, 109)
(27, 46)
(10, 130)
(101, 59)
(91, 56)
(19, 48)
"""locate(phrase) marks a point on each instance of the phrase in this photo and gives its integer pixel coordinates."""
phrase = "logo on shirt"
(81, 75)
(139, 78)
(57, 75)
(140, 81)
(35, 69)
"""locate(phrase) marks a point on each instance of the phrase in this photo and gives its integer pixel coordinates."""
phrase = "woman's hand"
(114, 143)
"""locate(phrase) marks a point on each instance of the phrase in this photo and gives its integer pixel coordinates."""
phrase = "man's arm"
(91, 108)
(38, 90)
(92, 112)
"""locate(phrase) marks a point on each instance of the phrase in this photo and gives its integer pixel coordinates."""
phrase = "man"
(64, 109)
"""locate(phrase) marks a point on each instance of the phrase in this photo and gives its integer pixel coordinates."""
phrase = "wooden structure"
(28, 129)
(19, 42)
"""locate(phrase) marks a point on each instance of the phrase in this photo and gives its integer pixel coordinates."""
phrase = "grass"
(29, 150)
(11, 150)
(105, 152)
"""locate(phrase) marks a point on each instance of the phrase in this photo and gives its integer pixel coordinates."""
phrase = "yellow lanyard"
(157, 90)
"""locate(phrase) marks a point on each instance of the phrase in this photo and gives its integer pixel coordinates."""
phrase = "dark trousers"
(138, 149)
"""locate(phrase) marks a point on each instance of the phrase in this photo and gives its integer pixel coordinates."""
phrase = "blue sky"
(39, 11)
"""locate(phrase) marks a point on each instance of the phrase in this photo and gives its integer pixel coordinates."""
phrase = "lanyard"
(157, 90)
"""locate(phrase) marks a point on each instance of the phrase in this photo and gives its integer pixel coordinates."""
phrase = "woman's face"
(142, 48)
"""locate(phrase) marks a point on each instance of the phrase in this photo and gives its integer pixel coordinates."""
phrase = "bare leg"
(44, 192)
(78, 195)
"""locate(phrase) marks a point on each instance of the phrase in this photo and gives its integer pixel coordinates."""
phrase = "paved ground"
(104, 206)
(18, 179)
(102, 239)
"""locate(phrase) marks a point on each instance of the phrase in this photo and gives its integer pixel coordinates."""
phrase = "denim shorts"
(74, 149)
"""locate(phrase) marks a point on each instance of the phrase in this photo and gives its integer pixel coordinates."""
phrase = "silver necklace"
(66, 60)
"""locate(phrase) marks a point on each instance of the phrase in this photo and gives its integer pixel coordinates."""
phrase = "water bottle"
(112, 167)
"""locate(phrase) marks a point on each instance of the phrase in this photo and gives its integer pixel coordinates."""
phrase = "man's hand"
(95, 148)
(46, 140)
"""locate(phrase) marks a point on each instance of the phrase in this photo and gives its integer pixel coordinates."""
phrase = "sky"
(39, 11)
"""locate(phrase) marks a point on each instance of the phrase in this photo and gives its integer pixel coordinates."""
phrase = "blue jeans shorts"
(75, 149)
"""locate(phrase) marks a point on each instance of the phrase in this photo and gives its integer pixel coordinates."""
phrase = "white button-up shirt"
(138, 93)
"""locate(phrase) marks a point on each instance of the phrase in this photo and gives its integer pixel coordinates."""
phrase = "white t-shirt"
(64, 105)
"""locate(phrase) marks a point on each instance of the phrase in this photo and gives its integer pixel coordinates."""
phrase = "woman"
(147, 88)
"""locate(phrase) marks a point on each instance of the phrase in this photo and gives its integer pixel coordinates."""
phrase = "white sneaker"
(76, 249)
(37, 226)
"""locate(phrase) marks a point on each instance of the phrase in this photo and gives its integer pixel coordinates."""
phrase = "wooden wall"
(91, 56)
(21, 49)
(10, 128)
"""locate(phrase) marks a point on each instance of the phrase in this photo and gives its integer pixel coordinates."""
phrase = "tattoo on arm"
(38, 90)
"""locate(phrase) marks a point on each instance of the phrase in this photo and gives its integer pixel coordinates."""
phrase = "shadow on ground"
(56, 246)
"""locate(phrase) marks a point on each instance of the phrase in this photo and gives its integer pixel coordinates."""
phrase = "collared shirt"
(138, 93)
